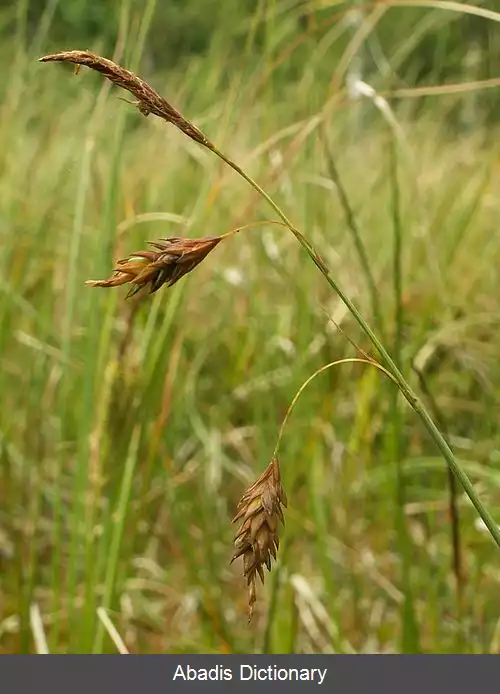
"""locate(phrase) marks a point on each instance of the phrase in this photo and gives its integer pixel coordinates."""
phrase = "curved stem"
(396, 374)
(252, 225)
(338, 362)
(150, 101)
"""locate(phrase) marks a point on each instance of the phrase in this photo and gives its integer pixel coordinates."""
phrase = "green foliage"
(406, 44)
(129, 431)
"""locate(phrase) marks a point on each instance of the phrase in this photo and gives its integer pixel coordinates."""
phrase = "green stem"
(322, 369)
(410, 634)
(355, 232)
(404, 387)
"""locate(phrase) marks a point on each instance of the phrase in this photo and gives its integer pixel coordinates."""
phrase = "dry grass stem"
(38, 631)
(257, 540)
(172, 258)
(148, 100)
(112, 631)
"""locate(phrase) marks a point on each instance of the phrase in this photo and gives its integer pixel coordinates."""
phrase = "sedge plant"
(260, 507)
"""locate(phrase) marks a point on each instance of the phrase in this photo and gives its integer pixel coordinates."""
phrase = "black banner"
(153, 674)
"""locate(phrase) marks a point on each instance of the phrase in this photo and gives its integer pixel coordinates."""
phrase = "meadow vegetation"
(130, 429)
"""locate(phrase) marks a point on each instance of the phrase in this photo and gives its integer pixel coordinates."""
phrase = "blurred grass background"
(129, 430)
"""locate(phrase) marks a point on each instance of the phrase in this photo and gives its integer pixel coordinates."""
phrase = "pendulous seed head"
(257, 540)
(172, 258)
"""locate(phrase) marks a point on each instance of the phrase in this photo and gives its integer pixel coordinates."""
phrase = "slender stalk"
(410, 640)
(325, 367)
(403, 385)
(118, 530)
(285, 544)
(149, 101)
(453, 510)
(352, 225)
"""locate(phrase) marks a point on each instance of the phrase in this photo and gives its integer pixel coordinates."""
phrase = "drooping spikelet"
(148, 100)
(257, 540)
(173, 258)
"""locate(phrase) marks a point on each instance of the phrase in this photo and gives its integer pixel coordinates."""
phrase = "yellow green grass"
(129, 431)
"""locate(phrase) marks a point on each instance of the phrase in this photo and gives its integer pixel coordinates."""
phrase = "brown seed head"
(172, 258)
(148, 100)
(257, 540)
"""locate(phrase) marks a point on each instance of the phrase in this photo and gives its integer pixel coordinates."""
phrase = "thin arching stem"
(338, 362)
(411, 397)
(149, 101)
